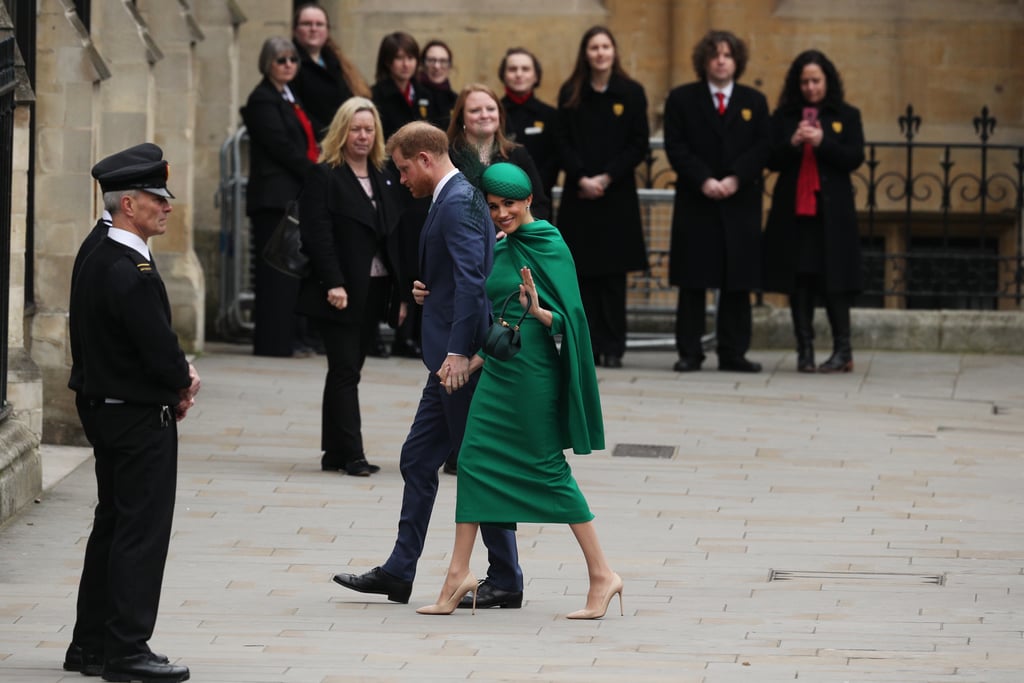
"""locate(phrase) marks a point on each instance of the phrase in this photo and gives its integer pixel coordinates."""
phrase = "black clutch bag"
(503, 340)
(283, 251)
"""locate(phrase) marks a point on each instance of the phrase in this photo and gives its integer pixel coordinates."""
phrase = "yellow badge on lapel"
(539, 125)
(423, 111)
(618, 108)
(837, 126)
(746, 114)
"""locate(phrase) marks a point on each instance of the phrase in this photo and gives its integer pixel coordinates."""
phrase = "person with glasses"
(435, 68)
(282, 149)
(327, 78)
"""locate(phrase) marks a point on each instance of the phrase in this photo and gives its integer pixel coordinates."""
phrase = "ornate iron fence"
(941, 223)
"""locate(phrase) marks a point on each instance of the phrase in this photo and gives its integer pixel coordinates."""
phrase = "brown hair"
(349, 73)
(581, 72)
(707, 49)
(457, 127)
(390, 46)
(416, 137)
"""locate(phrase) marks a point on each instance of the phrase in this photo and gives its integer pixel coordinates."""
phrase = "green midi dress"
(528, 409)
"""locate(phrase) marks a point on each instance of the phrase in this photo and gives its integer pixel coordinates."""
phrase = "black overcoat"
(716, 243)
(606, 133)
(840, 153)
(321, 89)
(395, 112)
(277, 150)
(534, 124)
(341, 232)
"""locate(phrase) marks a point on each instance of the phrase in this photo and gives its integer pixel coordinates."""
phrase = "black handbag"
(503, 340)
(283, 251)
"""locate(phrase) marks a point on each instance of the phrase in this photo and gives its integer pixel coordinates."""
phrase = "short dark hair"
(707, 49)
(519, 51)
(791, 97)
(390, 46)
(436, 43)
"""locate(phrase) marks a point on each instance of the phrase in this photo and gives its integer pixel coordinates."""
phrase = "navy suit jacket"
(456, 254)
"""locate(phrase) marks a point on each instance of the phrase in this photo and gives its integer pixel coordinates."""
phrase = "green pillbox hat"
(506, 180)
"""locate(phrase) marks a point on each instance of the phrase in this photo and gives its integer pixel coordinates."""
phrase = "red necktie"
(312, 150)
(721, 103)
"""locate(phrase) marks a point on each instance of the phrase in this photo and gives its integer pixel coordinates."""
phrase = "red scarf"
(312, 150)
(807, 184)
(518, 99)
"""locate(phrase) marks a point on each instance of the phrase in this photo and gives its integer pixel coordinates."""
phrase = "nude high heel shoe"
(616, 588)
(448, 606)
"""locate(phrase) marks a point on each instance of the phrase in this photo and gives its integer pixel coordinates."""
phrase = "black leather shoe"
(360, 468)
(740, 364)
(90, 662)
(377, 581)
(144, 667)
(450, 467)
(83, 660)
(489, 596)
(685, 365)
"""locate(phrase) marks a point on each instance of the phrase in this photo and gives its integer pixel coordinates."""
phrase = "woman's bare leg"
(603, 581)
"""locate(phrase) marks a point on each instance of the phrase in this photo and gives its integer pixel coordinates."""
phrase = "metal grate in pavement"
(885, 577)
(638, 450)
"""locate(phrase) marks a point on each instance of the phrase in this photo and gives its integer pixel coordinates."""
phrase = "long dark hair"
(349, 73)
(390, 46)
(581, 73)
(792, 98)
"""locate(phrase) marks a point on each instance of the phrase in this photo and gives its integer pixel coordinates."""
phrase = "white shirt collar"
(286, 93)
(727, 90)
(444, 181)
(129, 239)
(106, 217)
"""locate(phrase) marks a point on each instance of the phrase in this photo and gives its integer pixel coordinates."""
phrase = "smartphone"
(811, 115)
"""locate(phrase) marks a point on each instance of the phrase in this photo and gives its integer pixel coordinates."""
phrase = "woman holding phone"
(811, 244)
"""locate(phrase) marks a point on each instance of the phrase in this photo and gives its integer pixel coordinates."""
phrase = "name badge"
(534, 130)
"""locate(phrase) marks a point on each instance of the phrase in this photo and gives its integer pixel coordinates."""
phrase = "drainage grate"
(886, 577)
(639, 450)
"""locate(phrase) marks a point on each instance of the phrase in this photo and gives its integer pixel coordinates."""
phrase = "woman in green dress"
(528, 409)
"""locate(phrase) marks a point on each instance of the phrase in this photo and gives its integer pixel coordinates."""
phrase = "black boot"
(838, 308)
(801, 307)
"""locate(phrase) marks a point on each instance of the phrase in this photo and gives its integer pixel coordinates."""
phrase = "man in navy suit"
(456, 253)
(716, 139)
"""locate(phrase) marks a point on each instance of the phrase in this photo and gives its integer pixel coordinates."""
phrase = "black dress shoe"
(450, 467)
(84, 660)
(686, 365)
(143, 667)
(377, 581)
(487, 595)
(613, 361)
(360, 468)
(740, 364)
(89, 662)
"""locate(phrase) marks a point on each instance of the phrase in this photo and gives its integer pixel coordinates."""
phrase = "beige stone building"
(112, 73)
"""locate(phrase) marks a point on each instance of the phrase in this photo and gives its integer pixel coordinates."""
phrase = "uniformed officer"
(132, 383)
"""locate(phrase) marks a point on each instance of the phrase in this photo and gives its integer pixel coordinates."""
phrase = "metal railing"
(234, 316)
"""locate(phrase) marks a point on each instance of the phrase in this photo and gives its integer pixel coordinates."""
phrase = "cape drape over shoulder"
(554, 274)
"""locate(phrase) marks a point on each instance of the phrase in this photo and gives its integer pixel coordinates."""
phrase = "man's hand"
(337, 297)
(187, 395)
(419, 292)
(454, 373)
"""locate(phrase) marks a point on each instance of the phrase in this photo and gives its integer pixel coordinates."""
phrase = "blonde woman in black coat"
(349, 209)
(811, 242)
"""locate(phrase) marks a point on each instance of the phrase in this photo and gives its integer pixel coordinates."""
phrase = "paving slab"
(857, 527)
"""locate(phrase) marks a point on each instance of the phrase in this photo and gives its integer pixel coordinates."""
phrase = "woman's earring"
(527, 207)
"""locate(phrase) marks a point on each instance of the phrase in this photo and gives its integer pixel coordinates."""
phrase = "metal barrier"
(234, 316)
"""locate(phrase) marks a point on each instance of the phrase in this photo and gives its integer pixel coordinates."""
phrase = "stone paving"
(860, 527)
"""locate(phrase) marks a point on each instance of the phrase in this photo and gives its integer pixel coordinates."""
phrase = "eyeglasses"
(284, 60)
(436, 61)
(312, 24)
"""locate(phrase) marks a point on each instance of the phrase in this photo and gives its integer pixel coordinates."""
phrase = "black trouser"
(604, 302)
(136, 451)
(275, 322)
(733, 327)
(347, 345)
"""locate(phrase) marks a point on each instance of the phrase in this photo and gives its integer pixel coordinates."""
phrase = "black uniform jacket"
(122, 343)
(395, 112)
(341, 232)
(320, 89)
(534, 124)
(716, 243)
(607, 133)
(277, 150)
(840, 153)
